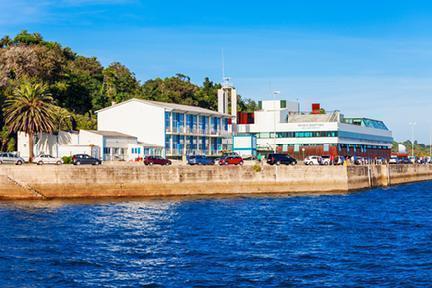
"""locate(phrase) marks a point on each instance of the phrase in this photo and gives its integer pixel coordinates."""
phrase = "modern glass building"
(302, 134)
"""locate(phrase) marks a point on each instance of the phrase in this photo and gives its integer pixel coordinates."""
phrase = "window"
(167, 120)
(283, 104)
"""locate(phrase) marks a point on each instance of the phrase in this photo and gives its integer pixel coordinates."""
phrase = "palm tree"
(30, 110)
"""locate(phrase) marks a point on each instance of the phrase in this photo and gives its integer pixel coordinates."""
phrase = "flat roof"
(110, 134)
(170, 107)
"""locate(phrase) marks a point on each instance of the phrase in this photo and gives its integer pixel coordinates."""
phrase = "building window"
(225, 123)
(283, 104)
(167, 120)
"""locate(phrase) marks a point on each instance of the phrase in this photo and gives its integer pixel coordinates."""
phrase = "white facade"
(105, 145)
(63, 144)
(142, 120)
(179, 129)
(244, 145)
(282, 127)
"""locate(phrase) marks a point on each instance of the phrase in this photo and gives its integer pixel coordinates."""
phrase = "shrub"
(67, 159)
(257, 167)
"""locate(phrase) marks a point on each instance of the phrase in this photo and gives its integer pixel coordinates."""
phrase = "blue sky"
(365, 58)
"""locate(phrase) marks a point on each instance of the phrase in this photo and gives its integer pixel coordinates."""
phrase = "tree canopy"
(81, 85)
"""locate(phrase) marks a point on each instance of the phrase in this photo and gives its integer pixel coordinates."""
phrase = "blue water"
(381, 237)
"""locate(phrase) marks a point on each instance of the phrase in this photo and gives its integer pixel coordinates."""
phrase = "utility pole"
(274, 119)
(430, 145)
(412, 124)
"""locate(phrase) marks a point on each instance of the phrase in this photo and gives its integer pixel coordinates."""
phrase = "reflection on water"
(379, 237)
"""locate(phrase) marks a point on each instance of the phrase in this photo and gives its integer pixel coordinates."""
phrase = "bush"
(257, 167)
(67, 159)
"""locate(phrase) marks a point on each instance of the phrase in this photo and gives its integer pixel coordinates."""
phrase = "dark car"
(277, 159)
(156, 160)
(84, 159)
(200, 160)
(231, 160)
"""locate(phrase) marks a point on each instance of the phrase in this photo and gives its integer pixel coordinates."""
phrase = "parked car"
(156, 160)
(84, 159)
(278, 159)
(404, 161)
(312, 160)
(200, 160)
(325, 160)
(339, 160)
(47, 159)
(231, 160)
(412, 159)
(394, 160)
(359, 160)
(11, 158)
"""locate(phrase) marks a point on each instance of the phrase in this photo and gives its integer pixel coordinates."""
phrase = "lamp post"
(58, 132)
(412, 124)
(274, 119)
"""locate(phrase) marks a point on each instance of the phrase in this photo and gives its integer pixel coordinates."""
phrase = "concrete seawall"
(50, 182)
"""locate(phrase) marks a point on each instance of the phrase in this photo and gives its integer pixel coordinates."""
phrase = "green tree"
(7, 141)
(80, 89)
(30, 110)
(24, 37)
(176, 89)
(119, 83)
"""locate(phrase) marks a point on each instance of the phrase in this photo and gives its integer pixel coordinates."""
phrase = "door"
(9, 158)
(95, 152)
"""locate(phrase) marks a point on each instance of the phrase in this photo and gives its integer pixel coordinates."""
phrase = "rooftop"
(170, 107)
(111, 134)
(308, 118)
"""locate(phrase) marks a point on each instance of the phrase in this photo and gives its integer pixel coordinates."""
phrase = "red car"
(157, 160)
(231, 160)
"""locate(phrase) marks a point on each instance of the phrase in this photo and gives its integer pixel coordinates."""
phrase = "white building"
(105, 145)
(279, 126)
(179, 129)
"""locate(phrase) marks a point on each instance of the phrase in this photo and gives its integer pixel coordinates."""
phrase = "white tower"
(228, 94)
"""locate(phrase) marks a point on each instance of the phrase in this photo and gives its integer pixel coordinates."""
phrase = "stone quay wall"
(29, 182)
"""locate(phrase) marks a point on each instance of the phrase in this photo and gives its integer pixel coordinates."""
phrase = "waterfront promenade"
(53, 182)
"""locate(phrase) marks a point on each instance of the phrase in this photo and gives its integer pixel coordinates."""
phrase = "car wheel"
(293, 163)
(326, 163)
(278, 163)
(19, 162)
(241, 163)
(59, 163)
(151, 163)
(96, 164)
(40, 163)
(78, 163)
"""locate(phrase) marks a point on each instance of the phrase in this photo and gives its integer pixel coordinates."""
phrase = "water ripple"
(380, 237)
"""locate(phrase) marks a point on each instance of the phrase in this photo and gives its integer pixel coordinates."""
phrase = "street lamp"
(274, 119)
(412, 124)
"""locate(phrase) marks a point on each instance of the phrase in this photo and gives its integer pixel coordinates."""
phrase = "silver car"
(47, 159)
(11, 158)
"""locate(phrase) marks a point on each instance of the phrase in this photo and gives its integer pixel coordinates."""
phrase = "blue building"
(179, 129)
